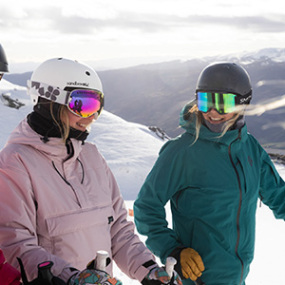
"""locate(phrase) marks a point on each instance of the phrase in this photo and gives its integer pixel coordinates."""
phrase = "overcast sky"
(137, 30)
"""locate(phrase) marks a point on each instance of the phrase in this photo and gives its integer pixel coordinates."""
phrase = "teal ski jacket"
(213, 186)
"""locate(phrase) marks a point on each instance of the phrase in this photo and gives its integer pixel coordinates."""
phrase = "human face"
(213, 117)
(79, 123)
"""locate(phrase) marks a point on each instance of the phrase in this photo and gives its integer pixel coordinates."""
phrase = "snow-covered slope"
(130, 150)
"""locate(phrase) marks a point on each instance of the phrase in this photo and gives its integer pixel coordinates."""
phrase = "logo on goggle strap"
(245, 100)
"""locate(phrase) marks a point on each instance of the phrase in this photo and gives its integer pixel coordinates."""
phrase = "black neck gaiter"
(218, 128)
(42, 123)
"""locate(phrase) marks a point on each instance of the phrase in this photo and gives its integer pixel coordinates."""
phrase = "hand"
(191, 264)
(158, 276)
(93, 276)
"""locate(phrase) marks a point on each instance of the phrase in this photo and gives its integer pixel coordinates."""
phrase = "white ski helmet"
(55, 78)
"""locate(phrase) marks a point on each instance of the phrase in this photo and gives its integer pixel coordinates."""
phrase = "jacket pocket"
(77, 236)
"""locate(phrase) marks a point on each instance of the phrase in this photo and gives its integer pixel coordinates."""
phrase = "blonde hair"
(64, 127)
(199, 119)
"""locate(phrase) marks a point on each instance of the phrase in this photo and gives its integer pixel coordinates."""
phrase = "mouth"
(82, 125)
(215, 120)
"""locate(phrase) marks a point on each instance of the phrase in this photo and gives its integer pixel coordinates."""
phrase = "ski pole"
(44, 271)
(101, 260)
(45, 277)
(169, 266)
(100, 263)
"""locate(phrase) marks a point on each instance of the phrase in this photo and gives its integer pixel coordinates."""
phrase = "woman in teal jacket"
(213, 175)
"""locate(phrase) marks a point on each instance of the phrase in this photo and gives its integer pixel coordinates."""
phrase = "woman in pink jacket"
(60, 199)
(8, 274)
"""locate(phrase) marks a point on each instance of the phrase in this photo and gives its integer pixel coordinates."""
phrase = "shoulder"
(90, 150)
(14, 152)
(255, 145)
(178, 144)
(177, 149)
(91, 154)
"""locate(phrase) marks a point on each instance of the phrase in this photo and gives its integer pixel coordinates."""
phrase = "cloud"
(151, 23)
(253, 23)
(55, 19)
(128, 21)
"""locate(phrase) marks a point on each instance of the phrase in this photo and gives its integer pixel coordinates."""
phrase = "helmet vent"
(87, 72)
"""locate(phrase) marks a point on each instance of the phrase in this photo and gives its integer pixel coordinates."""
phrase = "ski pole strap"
(199, 281)
(23, 272)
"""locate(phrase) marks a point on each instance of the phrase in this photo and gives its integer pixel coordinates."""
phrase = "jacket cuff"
(176, 254)
(149, 265)
(144, 269)
(67, 273)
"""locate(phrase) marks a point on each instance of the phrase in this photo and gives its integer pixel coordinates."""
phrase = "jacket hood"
(55, 147)
(188, 122)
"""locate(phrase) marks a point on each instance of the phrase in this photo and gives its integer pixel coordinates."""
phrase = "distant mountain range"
(153, 94)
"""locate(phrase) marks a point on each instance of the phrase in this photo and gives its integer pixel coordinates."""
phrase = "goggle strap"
(49, 92)
(245, 99)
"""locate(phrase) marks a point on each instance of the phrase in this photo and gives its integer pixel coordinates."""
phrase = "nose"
(94, 116)
(211, 110)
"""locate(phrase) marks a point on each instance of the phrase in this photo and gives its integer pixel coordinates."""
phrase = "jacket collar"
(55, 148)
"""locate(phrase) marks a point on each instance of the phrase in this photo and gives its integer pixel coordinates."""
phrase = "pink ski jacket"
(62, 210)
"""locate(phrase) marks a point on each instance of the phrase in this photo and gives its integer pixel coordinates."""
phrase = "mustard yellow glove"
(191, 263)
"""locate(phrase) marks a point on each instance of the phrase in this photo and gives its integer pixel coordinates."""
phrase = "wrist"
(176, 254)
(150, 265)
(67, 274)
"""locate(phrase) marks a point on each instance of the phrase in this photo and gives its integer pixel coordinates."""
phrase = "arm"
(272, 188)
(127, 250)
(164, 180)
(18, 220)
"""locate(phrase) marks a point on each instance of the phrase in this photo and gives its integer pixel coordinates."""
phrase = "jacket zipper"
(63, 178)
(239, 207)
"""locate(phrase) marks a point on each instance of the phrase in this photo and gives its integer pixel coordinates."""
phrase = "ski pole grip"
(199, 281)
(169, 266)
(101, 260)
(44, 272)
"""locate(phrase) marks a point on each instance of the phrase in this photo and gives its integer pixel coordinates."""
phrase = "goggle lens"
(222, 102)
(85, 103)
